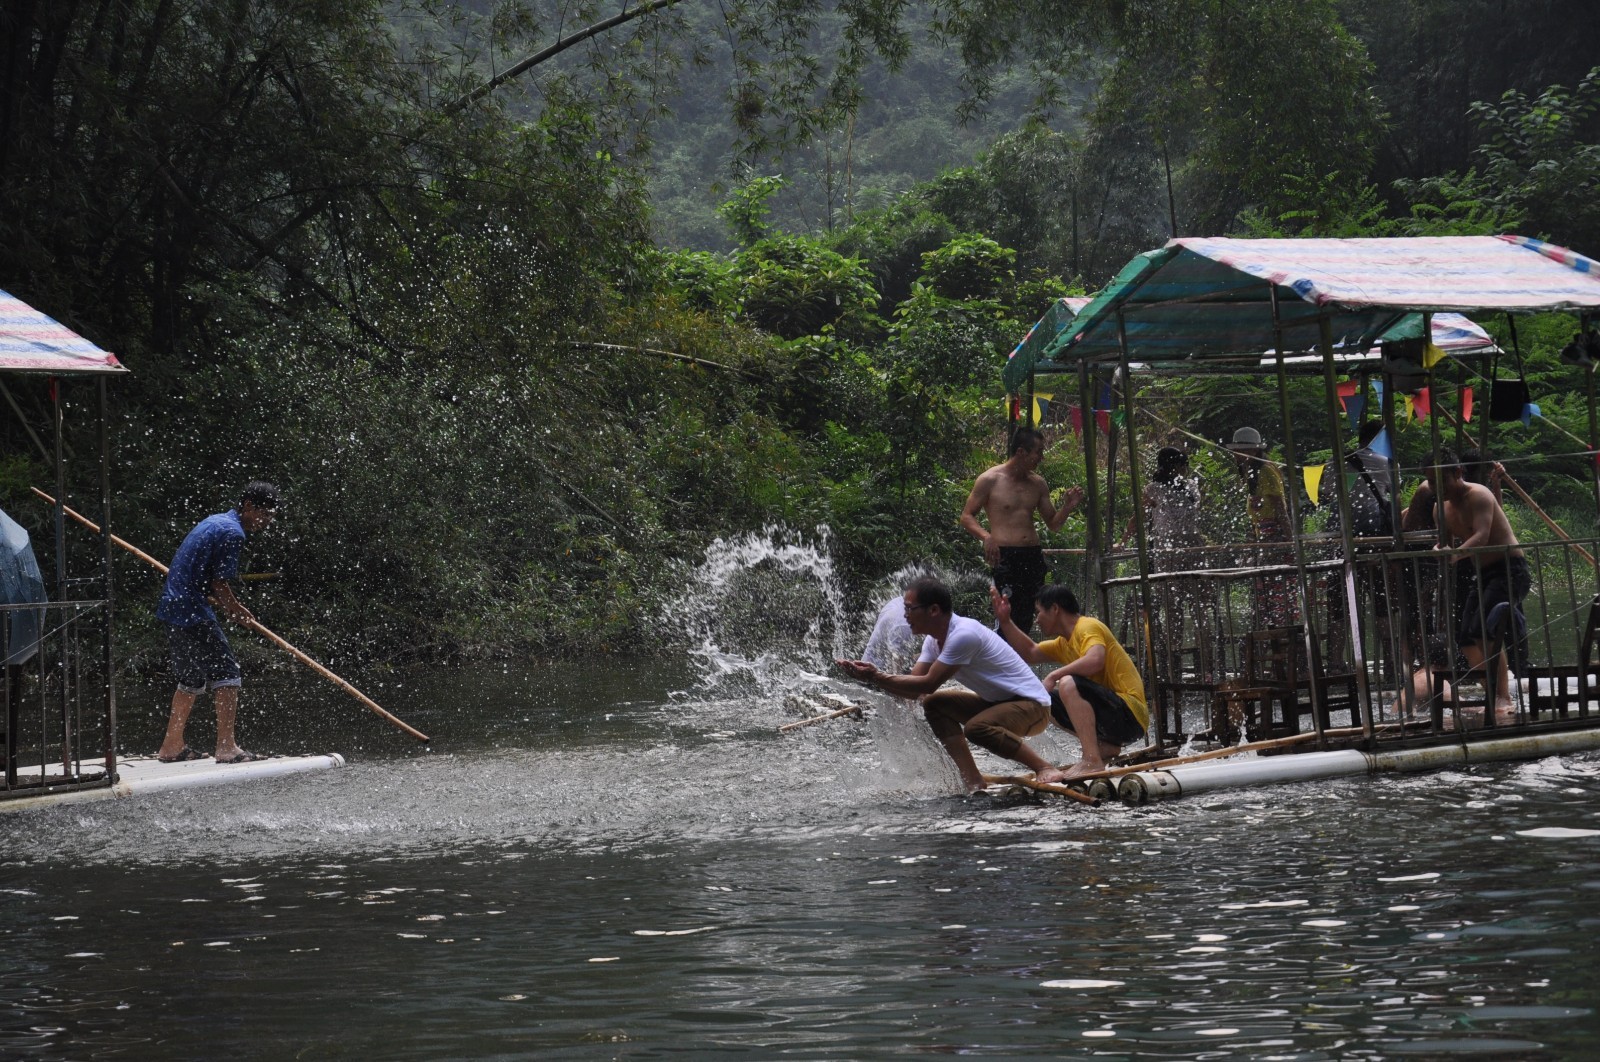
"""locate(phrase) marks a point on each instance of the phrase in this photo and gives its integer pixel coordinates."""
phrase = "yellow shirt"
(1118, 675)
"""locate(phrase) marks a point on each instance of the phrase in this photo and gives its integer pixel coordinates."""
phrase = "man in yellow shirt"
(1096, 694)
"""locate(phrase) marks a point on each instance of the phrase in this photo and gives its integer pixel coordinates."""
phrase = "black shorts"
(1114, 721)
(1479, 590)
(1020, 576)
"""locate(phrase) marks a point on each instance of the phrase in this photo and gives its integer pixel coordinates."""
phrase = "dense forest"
(523, 304)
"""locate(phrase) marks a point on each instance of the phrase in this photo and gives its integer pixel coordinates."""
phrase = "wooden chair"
(1571, 685)
(1335, 692)
(1273, 682)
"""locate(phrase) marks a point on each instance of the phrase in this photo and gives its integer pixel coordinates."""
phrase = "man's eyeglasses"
(917, 608)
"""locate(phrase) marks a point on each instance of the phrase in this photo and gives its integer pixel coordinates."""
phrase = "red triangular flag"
(1422, 403)
(1466, 405)
(1347, 389)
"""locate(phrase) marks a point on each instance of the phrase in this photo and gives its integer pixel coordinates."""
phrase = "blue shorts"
(201, 658)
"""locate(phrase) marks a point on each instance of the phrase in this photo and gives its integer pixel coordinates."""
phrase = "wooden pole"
(1516, 488)
(366, 701)
(796, 725)
(1040, 787)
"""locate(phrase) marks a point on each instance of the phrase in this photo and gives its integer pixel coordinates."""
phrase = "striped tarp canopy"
(32, 342)
(1203, 298)
(1046, 328)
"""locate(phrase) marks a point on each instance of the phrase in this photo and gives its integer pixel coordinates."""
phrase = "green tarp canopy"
(1213, 299)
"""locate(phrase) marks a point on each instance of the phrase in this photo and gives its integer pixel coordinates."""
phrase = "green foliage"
(705, 281)
(746, 210)
(794, 286)
(970, 267)
(1541, 158)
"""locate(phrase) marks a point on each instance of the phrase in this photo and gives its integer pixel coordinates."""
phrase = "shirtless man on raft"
(1009, 494)
(1484, 580)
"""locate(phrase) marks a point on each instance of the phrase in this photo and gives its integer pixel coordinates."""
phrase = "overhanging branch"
(523, 66)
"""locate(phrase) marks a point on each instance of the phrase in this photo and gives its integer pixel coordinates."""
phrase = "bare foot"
(1081, 768)
(1050, 775)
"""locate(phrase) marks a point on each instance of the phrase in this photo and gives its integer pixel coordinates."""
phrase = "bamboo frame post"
(1091, 472)
(1140, 535)
(108, 583)
(1308, 630)
(1358, 651)
(1594, 436)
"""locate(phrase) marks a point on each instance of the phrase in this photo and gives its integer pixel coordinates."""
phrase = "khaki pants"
(998, 726)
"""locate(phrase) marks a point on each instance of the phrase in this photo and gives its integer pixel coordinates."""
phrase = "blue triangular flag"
(1380, 445)
(1352, 409)
(1530, 411)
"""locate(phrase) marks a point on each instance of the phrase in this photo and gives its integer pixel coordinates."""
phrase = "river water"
(624, 859)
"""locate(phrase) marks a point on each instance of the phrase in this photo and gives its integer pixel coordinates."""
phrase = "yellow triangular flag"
(1040, 402)
(1432, 354)
(1313, 477)
(1409, 412)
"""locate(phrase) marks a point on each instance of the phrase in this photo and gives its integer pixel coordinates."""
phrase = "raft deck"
(139, 775)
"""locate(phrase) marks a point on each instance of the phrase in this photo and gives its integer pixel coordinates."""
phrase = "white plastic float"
(1147, 787)
(135, 777)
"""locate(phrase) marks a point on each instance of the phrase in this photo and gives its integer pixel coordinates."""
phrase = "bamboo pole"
(1027, 782)
(796, 725)
(256, 626)
(1516, 489)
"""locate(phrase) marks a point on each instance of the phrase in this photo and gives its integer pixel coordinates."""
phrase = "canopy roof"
(1047, 328)
(1201, 298)
(32, 342)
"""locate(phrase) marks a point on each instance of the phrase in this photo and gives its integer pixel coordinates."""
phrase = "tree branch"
(524, 65)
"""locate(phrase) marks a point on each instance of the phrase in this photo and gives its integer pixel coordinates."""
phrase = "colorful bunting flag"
(1041, 405)
(1409, 411)
(1431, 355)
(1423, 403)
(1346, 390)
(1466, 404)
(1313, 477)
(1380, 445)
(1530, 411)
(1075, 415)
(1352, 409)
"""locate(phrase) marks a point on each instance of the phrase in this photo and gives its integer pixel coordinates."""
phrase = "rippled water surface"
(625, 860)
(594, 871)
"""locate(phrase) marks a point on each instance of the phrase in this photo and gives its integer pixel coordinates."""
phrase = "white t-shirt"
(988, 666)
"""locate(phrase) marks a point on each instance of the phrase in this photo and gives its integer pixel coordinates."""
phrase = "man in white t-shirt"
(1004, 701)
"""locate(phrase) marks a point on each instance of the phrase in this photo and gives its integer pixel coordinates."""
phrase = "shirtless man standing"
(1009, 494)
(1474, 519)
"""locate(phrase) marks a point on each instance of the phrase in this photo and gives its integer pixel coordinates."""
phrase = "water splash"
(764, 612)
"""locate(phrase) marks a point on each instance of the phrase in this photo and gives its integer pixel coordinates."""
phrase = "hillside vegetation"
(517, 349)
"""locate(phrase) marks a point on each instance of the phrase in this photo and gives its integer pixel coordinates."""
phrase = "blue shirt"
(209, 552)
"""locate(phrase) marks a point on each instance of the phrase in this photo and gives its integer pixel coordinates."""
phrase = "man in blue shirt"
(205, 565)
